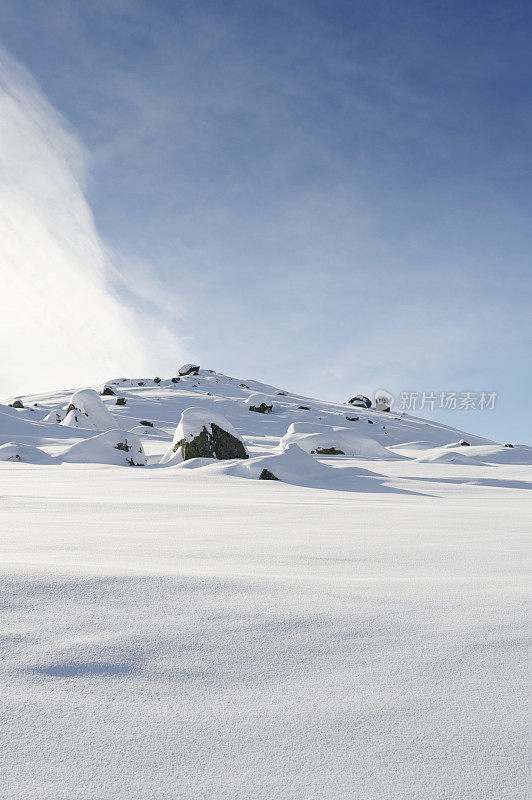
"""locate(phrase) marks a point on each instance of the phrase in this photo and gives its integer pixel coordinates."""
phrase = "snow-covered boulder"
(202, 433)
(106, 391)
(86, 410)
(332, 440)
(27, 453)
(112, 447)
(189, 369)
(56, 415)
(293, 465)
(260, 403)
(360, 401)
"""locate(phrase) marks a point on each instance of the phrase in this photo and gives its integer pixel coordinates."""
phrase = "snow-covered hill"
(181, 629)
(313, 424)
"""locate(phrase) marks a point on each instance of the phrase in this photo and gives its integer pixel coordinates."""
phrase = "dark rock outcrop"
(328, 451)
(217, 444)
(189, 369)
(266, 475)
(121, 401)
(360, 401)
(263, 408)
(107, 391)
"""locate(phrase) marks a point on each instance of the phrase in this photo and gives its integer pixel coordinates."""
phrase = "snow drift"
(333, 440)
(117, 447)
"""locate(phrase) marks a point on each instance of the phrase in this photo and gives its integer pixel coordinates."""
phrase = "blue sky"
(329, 196)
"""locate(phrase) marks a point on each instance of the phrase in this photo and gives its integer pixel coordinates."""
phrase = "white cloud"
(63, 322)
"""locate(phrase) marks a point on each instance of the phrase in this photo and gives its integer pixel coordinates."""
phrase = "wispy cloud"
(68, 316)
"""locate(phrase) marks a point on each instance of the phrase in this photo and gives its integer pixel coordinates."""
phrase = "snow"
(16, 451)
(356, 629)
(56, 415)
(313, 437)
(258, 399)
(112, 447)
(89, 412)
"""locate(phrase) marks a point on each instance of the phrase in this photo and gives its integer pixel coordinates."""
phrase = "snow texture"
(355, 629)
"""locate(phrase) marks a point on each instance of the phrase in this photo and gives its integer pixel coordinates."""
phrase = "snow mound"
(441, 456)
(148, 430)
(112, 447)
(27, 453)
(332, 440)
(259, 402)
(87, 410)
(476, 454)
(57, 415)
(200, 423)
(293, 465)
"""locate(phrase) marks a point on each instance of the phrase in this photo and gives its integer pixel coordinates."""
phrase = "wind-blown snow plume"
(61, 320)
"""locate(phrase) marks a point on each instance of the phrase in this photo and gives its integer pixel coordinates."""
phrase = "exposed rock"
(189, 369)
(353, 419)
(205, 434)
(17, 404)
(266, 475)
(176, 380)
(156, 380)
(146, 423)
(328, 451)
(141, 383)
(107, 391)
(262, 409)
(508, 445)
(259, 403)
(304, 408)
(121, 401)
(283, 394)
(215, 443)
(360, 401)
(463, 443)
